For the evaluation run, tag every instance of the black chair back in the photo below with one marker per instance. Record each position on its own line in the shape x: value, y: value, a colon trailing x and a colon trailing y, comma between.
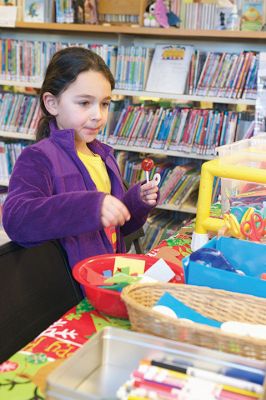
x: 36, y: 289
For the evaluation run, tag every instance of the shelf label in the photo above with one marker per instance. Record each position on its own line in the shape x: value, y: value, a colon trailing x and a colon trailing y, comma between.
x: 8, y: 16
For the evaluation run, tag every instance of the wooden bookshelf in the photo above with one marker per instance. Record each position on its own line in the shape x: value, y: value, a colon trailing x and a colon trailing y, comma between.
x: 183, y: 97
x: 32, y: 84
x: 136, y: 93
x: 170, y: 153
x: 149, y: 150
x: 143, y: 31
x: 186, y: 208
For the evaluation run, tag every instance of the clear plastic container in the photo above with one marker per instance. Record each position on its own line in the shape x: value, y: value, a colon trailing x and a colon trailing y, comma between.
x: 249, y: 153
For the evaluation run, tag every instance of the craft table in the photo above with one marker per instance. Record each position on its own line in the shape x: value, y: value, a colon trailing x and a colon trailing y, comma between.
x: 23, y: 376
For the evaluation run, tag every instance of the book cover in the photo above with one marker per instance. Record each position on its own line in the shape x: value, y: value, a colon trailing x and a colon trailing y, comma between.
x: 34, y: 11
x: 148, y: 120
x: 190, y: 185
x: 169, y: 69
x: 252, y: 15
x: 226, y: 17
x: 177, y: 136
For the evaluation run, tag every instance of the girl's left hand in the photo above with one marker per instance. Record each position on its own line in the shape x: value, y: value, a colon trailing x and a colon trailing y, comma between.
x: 149, y: 193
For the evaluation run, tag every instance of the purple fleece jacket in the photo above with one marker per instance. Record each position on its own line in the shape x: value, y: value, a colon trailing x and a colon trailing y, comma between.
x: 52, y: 196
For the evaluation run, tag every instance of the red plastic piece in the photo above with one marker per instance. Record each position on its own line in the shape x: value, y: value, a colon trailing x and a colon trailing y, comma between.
x: 263, y: 276
x: 109, y: 301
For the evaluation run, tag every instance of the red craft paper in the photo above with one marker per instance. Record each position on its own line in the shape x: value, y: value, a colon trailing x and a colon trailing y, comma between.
x: 96, y: 279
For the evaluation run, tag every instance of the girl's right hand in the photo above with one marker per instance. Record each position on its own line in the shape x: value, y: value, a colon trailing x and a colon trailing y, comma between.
x: 113, y: 212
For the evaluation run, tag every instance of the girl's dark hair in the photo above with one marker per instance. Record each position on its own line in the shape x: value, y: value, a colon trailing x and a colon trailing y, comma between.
x: 63, y: 69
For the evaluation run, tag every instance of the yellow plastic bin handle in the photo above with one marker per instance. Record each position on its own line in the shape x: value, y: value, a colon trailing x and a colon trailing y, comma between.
x: 210, y: 169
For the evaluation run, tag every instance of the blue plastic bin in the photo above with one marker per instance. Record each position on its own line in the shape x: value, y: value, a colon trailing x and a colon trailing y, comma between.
x: 247, y: 256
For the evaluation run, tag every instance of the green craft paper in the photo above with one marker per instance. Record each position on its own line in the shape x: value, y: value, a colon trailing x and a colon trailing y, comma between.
x: 125, y: 270
x: 116, y: 287
x: 120, y: 278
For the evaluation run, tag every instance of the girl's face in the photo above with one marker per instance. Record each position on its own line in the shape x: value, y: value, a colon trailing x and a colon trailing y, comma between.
x: 83, y: 106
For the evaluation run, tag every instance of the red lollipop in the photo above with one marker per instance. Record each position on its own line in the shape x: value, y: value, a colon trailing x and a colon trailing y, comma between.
x: 147, y: 165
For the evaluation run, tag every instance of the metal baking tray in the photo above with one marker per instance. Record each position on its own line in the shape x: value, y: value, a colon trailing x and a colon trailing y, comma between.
x: 104, y: 363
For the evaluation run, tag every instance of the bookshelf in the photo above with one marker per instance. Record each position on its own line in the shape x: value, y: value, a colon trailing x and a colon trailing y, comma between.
x: 170, y: 153
x: 5, y: 82
x: 134, y: 36
x: 138, y: 93
x: 145, y: 32
x: 15, y: 135
x: 183, y: 97
x: 186, y: 208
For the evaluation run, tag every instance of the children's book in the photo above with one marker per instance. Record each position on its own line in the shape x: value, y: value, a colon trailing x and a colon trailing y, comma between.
x: 8, y: 13
x: 226, y: 18
x: 34, y: 11
x: 252, y: 15
x: 169, y: 69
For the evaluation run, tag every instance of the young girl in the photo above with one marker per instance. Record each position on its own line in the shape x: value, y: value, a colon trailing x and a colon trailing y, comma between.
x: 67, y: 186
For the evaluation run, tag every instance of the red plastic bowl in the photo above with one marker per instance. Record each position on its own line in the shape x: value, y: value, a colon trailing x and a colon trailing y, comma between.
x: 109, y: 301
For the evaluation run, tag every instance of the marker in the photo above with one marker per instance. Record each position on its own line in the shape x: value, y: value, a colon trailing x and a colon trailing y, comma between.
x: 158, y: 378
x: 225, y: 380
x: 204, y: 387
x: 136, y: 397
x: 249, y: 374
x: 255, y: 376
x: 158, y: 387
x: 224, y: 395
x: 212, y: 376
x: 243, y: 392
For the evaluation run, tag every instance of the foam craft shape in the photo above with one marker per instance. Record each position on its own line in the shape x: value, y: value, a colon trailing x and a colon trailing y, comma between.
x: 95, y: 279
x: 107, y: 273
x: 184, y: 311
x: 160, y: 271
x: 120, y: 278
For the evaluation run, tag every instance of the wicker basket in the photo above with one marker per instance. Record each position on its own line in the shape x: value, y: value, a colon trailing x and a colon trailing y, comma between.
x: 213, y: 303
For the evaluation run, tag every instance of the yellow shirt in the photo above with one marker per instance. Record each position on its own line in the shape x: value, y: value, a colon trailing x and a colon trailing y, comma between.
x: 98, y: 173
x: 97, y: 170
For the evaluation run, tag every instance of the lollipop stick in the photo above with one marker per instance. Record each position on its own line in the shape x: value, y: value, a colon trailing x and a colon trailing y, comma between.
x: 147, y: 176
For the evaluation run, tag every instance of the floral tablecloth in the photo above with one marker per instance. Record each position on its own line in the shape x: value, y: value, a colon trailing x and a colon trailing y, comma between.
x: 23, y: 376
